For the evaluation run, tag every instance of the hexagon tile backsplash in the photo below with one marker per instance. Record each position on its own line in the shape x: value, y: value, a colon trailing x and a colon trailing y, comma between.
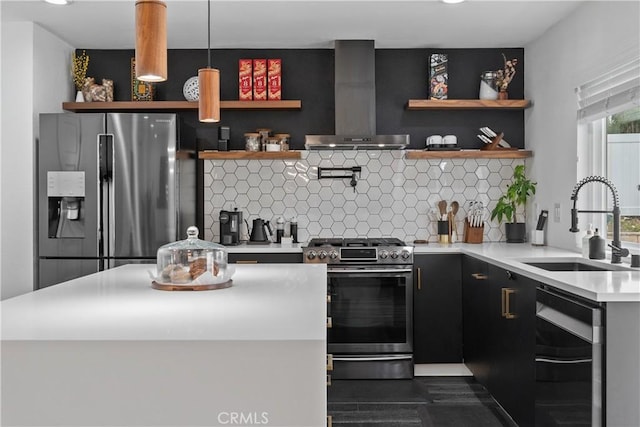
x: 394, y: 197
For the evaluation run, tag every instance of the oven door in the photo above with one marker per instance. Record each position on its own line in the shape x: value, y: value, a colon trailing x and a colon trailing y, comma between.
x: 370, y: 310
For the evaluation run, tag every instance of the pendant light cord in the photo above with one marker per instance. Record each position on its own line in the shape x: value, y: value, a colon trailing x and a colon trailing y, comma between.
x: 208, y: 33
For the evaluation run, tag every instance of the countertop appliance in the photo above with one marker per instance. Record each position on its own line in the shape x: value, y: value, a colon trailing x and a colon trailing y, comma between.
x: 569, y: 359
x: 260, y: 230
x: 230, y: 222
x: 112, y: 189
x: 370, y: 305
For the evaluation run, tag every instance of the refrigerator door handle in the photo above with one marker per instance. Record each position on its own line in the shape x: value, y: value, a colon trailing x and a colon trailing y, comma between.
x: 105, y: 197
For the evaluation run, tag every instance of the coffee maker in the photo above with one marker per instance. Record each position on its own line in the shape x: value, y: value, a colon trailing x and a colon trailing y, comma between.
x: 230, y: 227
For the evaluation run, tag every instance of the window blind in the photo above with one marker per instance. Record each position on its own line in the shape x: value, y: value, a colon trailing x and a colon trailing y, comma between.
x: 617, y: 90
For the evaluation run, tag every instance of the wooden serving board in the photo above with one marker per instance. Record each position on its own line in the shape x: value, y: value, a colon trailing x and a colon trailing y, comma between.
x: 170, y: 287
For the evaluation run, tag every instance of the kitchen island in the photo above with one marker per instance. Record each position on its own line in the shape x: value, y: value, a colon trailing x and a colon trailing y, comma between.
x: 107, y: 349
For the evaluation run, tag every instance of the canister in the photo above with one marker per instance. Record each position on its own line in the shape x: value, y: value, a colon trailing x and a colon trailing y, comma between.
x: 283, y: 140
x: 488, y: 85
x: 265, y: 133
x: 252, y: 141
x: 294, y: 230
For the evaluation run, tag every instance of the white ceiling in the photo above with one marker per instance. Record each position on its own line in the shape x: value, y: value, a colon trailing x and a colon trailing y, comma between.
x: 99, y: 24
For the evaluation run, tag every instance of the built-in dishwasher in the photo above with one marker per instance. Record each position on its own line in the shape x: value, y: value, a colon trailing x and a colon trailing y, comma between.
x: 569, y: 360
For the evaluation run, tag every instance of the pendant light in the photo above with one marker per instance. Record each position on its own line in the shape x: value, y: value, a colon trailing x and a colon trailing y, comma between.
x: 209, y: 83
x: 151, y: 40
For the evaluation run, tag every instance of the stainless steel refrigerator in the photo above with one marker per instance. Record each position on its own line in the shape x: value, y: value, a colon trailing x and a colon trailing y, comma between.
x: 112, y: 189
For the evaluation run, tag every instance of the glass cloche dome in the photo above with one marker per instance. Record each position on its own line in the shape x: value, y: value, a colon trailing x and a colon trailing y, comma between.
x: 192, y: 264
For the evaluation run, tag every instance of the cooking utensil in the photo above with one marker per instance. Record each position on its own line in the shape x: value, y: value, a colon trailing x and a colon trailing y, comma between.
x: 455, y: 206
x: 442, y: 206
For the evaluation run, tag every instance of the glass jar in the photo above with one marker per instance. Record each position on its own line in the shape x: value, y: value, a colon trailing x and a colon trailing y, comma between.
x: 273, y: 144
x: 283, y: 140
x: 488, y: 85
x: 192, y: 262
x: 264, y: 135
x: 252, y: 141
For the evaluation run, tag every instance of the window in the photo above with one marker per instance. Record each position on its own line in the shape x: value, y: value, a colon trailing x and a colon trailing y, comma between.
x: 609, y: 146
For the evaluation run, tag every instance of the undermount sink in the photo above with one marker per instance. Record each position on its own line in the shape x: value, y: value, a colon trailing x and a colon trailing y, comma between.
x: 573, y: 264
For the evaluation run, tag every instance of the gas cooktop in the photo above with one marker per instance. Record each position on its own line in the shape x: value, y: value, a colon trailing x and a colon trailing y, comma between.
x: 378, y: 251
x: 349, y: 243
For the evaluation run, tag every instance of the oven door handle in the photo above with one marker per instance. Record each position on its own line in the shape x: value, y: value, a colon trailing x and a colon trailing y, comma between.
x: 589, y: 333
x: 563, y: 361
x: 371, y: 359
x: 370, y: 271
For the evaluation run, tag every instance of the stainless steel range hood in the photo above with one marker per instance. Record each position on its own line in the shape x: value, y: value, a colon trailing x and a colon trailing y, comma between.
x: 355, y: 102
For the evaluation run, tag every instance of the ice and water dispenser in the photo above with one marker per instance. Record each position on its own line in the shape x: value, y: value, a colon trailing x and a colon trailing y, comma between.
x: 66, y: 204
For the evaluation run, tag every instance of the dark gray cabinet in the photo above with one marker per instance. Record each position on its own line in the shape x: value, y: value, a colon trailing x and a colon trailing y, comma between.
x: 437, y: 309
x: 265, y: 257
x: 499, y: 335
x: 477, y: 307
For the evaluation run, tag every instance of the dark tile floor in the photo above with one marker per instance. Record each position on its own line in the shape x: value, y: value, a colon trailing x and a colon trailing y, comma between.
x: 420, y: 402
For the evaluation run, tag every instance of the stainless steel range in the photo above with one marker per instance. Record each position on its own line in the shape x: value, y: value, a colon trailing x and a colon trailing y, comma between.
x: 369, y: 294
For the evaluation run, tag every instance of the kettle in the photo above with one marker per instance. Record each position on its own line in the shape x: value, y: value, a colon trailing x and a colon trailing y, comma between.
x: 259, y: 230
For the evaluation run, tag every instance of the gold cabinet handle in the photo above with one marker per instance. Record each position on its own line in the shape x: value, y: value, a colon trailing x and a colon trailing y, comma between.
x: 479, y: 276
x: 329, y: 323
x: 328, y: 380
x: 249, y: 261
x: 328, y: 298
x: 329, y: 421
x: 506, y: 303
x: 419, y: 279
x: 329, y: 362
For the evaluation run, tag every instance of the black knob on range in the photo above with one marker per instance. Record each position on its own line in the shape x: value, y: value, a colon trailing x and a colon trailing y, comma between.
x: 322, y: 254
x: 333, y: 254
x: 405, y: 254
x: 394, y: 254
x: 384, y: 254
x: 311, y: 254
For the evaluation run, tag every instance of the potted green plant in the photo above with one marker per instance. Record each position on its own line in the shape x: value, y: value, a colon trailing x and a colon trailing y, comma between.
x: 520, y: 189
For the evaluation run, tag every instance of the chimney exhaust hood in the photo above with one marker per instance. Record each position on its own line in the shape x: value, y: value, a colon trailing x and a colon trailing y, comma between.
x: 355, y: 102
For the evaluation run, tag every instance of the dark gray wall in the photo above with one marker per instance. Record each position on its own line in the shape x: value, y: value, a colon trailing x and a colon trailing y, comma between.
x: 307, y: 74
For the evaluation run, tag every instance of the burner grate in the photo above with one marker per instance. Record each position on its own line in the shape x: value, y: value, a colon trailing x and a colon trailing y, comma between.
x: 356, y: 242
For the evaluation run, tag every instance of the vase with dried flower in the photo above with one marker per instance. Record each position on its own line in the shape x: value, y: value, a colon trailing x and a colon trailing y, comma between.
x: 505, y: 75
x: 79, y: 65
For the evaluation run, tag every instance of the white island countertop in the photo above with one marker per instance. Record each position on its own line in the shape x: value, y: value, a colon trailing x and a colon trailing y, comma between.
x: 266, y: 302
x: 108, y: 349
x: 601, y: 286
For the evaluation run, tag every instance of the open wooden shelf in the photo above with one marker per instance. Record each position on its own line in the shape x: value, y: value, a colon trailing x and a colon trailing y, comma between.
x: 467, y: 104
x: 469, y: 154
x: 409, y: 154
x: 79, y: 107
x: 248, y: 155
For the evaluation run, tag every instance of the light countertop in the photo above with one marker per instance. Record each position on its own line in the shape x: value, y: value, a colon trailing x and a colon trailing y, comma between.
x: 602, y: 286
x: 266, y: 248
x: 266, y: 302
x: 108, y: 349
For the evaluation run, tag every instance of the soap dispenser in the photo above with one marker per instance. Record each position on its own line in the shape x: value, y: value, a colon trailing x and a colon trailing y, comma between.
x: 585, y: 241
x: 596, y: 246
